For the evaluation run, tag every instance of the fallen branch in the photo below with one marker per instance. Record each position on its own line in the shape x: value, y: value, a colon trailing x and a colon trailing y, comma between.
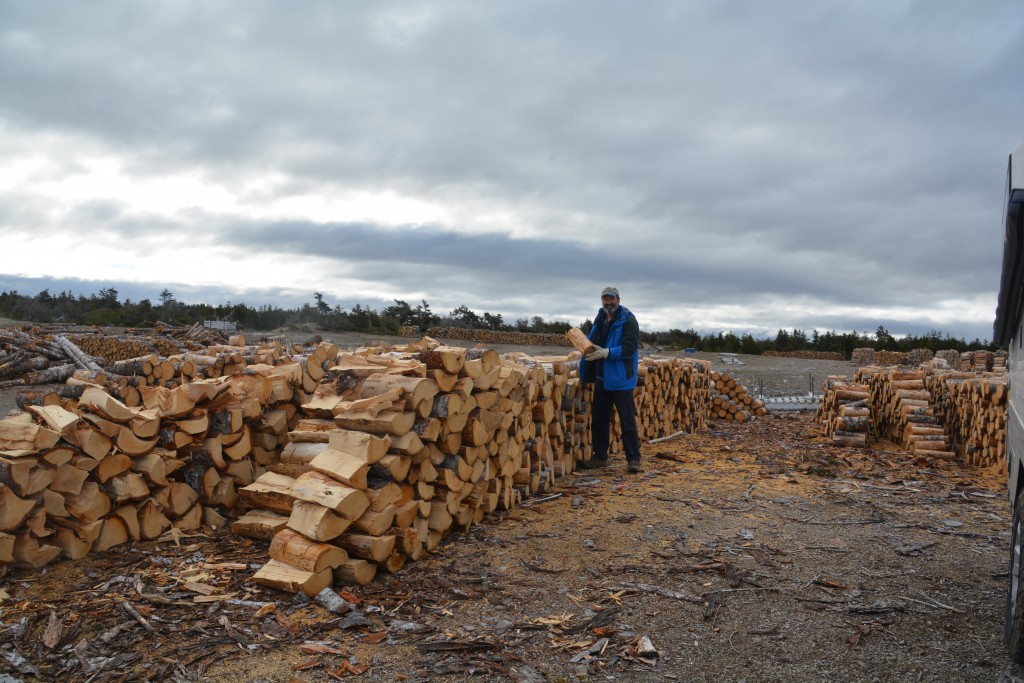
x: 668, y: 438
x: 928, y: 602
x: 851, y: 522
x: 539, y: 500
x: 912, y: 550
x: 134, y: 614
x: 742, y: 590
x: 658, y: 590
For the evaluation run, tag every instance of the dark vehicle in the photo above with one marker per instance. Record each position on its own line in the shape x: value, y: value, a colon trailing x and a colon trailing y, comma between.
x: 1009, y: 332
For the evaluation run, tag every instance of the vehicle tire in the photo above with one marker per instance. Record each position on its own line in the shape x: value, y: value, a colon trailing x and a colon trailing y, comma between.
x: 1014, y: 631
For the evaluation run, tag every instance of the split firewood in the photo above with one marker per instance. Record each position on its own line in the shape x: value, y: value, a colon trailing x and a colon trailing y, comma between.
x: 579, y: 340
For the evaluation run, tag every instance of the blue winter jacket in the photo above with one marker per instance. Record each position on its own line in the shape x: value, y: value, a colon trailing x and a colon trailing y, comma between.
x: 623, y: 344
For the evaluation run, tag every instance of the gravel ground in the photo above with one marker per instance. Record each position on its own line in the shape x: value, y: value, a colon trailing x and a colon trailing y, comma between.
x: 779, y: 376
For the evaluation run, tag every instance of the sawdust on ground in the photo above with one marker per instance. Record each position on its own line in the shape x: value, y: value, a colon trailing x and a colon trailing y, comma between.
x: 754, y: 552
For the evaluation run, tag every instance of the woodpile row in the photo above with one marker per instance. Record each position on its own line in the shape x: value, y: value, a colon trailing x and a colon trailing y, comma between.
x: 87, y: 472
x: 930, y: 411
x: 730, y: 400
x: 904, y: 411
x: 445, y: 474
x: 488, y: 336
x: 808, y: 355
x: 864, y: 356
x: 39, y: 354
x: 918, y: 357
x: 974, y: 412
x: 890, y: 357
x: 983, y: 361
x: 346, y: 461
x: 109, y: 349
x: 844, y: 414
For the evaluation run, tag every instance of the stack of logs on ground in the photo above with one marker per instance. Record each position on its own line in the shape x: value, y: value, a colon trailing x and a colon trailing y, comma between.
x: 932, y: 411
x: 162, y: 355
x: 731, y: 400
x: 511, y: 337
x: 844, y: 414
x: 807, y: 355
x: 347, y: 461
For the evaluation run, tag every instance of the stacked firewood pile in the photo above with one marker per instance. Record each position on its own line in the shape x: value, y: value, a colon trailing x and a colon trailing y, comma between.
x: 476, y: 435
x: 568, y: 432
x: 890, y: 357
x: 867, y: 356
x: 904, y: 410
x: 88, y: 472
x: 489, y: 336
x: 400, y: 462
x: 973, y: 410
x: 978, y: 361
x: 109, y: 348
x: 931, y: 411
x: 347, y: 461
x: 844, y: 413
x: 808, y: 355
x: 864, y: 356
x: 983, y: 361
x: 40, y: 354
x: 731, y: 400
x: 920, y: 356
x: 999, y: 360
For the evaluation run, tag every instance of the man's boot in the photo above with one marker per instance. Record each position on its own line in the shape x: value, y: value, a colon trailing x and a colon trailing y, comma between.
x: 593, y: 463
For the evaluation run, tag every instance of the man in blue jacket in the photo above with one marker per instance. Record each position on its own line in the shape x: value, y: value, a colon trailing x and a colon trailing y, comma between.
x: 612, y: 368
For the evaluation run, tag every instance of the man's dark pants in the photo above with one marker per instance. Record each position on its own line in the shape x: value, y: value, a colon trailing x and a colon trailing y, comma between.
x: 601, y: 422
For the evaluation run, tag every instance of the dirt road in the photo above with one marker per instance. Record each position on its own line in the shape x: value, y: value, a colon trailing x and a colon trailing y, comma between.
x: 754, y: 552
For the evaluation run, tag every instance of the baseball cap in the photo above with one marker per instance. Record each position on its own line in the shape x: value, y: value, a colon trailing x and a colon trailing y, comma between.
x: 610, y: 291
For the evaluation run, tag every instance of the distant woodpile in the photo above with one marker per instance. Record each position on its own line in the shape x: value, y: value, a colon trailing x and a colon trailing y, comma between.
x: 730, y: 400
x: 510, y: 337
x: 931, y: 410
x: 808, y: 355
x: 41, y: 354
x: 890, y: 358
x: 843, y: 413
x: 983, y: 361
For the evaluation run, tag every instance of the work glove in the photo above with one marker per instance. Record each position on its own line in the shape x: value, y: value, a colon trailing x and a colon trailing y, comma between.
x: 597, y: 354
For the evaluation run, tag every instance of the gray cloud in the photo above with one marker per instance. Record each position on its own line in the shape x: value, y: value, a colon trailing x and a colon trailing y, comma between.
x: 702, y: 155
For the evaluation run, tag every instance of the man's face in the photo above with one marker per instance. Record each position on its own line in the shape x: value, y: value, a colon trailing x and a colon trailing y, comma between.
x: 609, y: 303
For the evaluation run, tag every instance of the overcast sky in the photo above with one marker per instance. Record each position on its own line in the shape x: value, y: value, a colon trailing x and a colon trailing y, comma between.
x: 728, y: 165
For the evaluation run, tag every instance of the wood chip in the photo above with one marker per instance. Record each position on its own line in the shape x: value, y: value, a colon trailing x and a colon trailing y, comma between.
x: 203, y: 588
x: 318, y: 649
x: 214, y: 598
x: 54, y: 628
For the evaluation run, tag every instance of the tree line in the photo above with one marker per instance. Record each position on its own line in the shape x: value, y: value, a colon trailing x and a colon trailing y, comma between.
x: 106, y: 309
x: 842, y: 343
